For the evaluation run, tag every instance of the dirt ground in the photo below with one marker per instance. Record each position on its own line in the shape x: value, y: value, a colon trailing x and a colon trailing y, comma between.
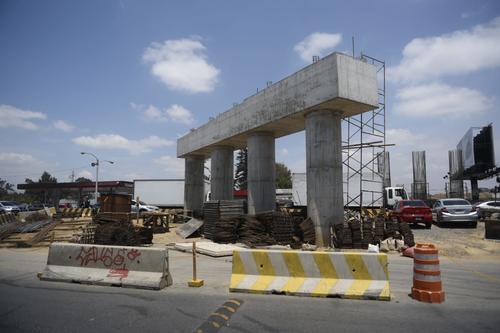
x: 453, y: 241
x: 457, y: 241
x: 160, y: 240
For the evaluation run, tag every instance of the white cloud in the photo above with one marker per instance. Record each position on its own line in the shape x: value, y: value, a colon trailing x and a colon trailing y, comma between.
x: 175, y: 113
x: 283, y: 152
x: 402, y: 136
x: 437, y: 99
x: 85, y: 174
x: 16, y: 158
x: 182, y: 65
x: 13, y: 117
x: 63, y: 126
x: 115, y: 141
x: 460, y: 52
x: 174, y: 167
x: 317, y: 44
x: 180, y: 114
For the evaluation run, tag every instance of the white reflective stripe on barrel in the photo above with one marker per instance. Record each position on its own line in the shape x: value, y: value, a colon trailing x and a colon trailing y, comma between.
x: 424, y: 277
x: 425, y: 256
x: 427, y: 267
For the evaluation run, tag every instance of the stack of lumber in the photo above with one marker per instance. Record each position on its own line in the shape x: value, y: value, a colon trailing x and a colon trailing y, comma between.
x: 216, y: 212
x: 308, y: 233
x: 254, y: 232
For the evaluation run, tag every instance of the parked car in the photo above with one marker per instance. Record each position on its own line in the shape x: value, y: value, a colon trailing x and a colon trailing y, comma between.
x: 38, y: 206
x: 487, y: 208
x: 454, y: 210
x: 23, y: 207
x: 143, y: 207
x: 413, y: 211
x: 10, y: 207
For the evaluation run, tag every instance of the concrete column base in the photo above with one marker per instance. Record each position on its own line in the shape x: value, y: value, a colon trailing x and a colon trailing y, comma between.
x: 261, y: 173
x: 325, y: 202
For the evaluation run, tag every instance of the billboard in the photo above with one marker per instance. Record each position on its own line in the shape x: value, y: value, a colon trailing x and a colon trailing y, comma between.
x: 477, y: 152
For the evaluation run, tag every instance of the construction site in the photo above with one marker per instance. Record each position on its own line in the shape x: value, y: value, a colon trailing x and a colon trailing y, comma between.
x: 224, y: 248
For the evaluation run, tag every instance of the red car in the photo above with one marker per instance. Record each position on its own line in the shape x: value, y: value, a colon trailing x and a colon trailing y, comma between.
x: 413, y: 211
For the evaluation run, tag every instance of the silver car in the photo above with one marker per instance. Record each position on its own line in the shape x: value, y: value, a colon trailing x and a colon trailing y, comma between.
x: 9, y: 207
x: 454, y: 210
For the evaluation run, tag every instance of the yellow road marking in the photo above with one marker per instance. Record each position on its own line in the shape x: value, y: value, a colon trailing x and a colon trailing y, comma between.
x: 220, y: 315
x: 234, y: 301
x: 228, y: 308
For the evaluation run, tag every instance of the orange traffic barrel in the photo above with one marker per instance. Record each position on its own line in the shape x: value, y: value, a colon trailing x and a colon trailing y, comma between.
x: 427, y: 286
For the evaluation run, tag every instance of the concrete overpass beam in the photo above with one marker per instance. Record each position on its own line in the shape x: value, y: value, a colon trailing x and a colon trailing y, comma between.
x: 261, y: 173
x: 325, y: 202
x: 194, y: 186
x: 222, y: 166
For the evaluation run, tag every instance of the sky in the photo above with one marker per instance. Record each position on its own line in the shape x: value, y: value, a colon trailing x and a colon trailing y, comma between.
x: 125, y: 79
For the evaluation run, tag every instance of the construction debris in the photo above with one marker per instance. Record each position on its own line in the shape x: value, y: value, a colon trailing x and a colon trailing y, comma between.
x: 189, y: 228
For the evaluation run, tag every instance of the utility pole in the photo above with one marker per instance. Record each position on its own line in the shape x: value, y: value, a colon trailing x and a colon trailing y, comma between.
x: 96, y: 164
x: 72, y: 176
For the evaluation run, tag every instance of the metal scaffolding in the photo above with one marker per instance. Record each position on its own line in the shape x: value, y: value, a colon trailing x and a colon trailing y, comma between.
x: 363, y: 143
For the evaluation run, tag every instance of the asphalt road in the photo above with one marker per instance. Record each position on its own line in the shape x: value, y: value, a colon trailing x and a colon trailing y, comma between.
x: 29, y: 305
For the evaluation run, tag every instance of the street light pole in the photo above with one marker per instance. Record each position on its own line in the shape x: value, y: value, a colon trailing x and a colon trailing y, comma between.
x: 96, y: 164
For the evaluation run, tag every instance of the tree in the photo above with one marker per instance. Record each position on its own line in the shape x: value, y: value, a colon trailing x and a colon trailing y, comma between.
x: 83, y: 180
x: 240, y: 177
x: 47, y: 178
x: 283, y: 176
x: 5, y: 187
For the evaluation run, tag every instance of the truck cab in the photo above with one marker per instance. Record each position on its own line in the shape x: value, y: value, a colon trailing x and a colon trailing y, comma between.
x: 393, y: 194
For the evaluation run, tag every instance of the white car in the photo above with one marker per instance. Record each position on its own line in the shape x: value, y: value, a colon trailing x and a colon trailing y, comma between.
x: 487, y: 208
x: 143, y: 207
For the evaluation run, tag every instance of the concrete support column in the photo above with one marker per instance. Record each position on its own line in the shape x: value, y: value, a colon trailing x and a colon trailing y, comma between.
x: 261, y: 177
x: 474, y: 189
x: 194, y: 186
x: 325, y: 202
x: 222, y: 170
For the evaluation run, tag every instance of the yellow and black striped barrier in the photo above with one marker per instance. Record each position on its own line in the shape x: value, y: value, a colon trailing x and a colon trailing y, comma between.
x: 7, y: 218
x: 75, y: 212
x: 321, y: 274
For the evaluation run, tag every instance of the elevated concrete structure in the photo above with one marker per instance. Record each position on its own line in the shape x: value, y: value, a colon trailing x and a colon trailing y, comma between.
x: 261, y: 179
x: 222, y: 169
x: 316, y: 97
x: 336, y: 82
x: 325, y: 200
x: 194, y: 185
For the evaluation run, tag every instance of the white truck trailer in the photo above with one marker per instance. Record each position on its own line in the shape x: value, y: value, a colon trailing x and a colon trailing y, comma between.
x: 373, y: 194
x: 164, y: 193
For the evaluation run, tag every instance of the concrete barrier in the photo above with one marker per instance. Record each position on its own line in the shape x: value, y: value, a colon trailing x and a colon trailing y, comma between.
x: 75, y: 212
x: 123, y: 266
x: 321, y: 274
x: 7, y: 218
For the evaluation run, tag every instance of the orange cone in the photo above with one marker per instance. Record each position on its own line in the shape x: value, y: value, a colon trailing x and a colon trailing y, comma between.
x: 427, y: 286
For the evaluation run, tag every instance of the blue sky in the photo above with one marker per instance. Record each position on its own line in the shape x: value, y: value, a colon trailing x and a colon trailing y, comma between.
x: 124, y: 79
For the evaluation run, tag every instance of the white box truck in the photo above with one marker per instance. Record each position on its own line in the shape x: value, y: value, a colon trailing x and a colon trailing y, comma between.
x: 164, y: 193
x: 372, y: 190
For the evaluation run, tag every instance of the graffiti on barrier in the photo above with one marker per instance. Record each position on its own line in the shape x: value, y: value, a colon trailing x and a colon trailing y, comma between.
x: 120, y: 272
x: 109, y: 257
